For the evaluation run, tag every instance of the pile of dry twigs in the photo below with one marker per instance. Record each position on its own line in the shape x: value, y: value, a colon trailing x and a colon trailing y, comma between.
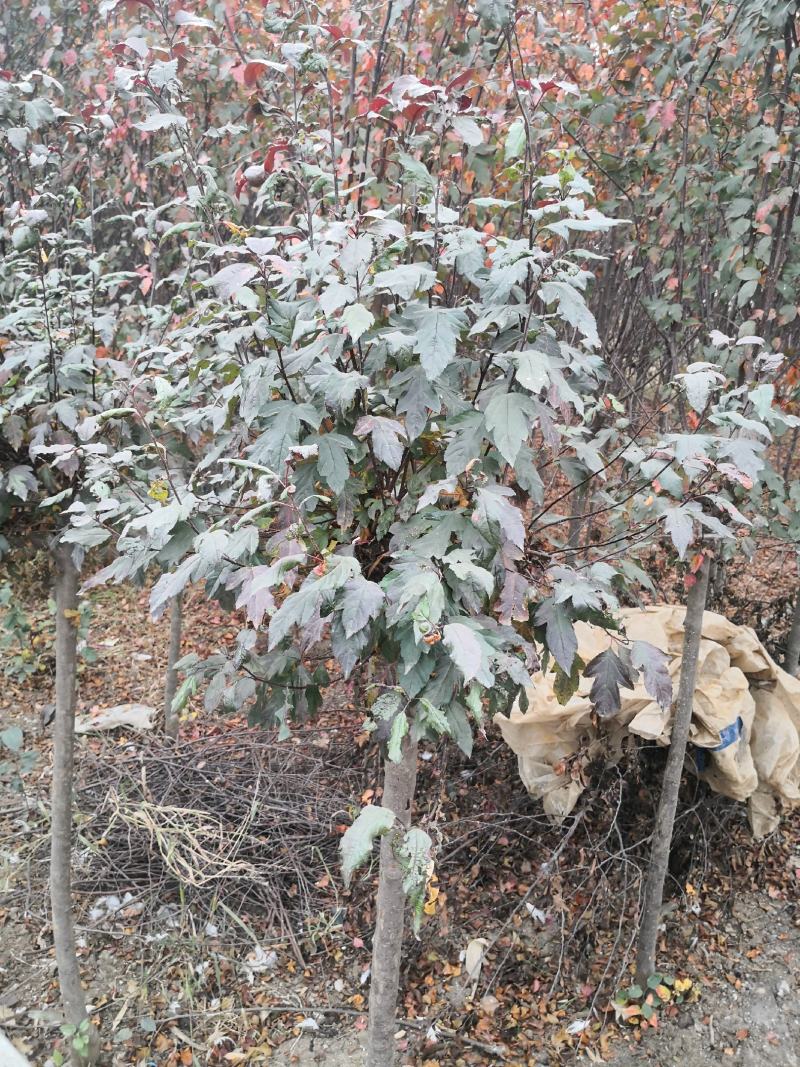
x: 231, y: 817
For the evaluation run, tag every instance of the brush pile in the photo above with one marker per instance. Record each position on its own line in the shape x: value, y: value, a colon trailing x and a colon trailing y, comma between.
x: 231, y: 817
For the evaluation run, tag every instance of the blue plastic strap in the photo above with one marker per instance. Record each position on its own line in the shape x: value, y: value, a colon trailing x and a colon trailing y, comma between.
x: 726, y: 737
x: 729, y: 735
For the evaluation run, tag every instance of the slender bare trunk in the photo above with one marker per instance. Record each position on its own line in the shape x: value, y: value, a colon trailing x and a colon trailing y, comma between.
x: 789, y: 459
x: 174, y: 654
x: 791, y: 662
x: 69, y: 977
x: 716, y: 585
x: 668, y: 802
x: 399, y: 781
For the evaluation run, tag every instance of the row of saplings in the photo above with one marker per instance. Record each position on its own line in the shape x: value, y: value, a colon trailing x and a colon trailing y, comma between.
x: 398, y: 795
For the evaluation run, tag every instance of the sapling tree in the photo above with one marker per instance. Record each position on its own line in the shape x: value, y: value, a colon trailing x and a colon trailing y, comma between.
x: 59, y: 304
x: 83, y: 1037
x: 715, y: 487
x: 173, y: 655
x: 670, y: 787
x: 367, y: 382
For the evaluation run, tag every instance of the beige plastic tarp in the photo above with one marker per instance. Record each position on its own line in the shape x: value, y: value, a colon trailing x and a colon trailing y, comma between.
x: 746, y: 716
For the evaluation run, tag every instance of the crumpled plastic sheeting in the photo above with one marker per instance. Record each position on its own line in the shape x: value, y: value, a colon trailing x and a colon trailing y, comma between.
x: 745, y: 720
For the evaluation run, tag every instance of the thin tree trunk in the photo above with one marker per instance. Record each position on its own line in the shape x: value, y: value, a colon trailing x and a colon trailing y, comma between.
x: 668, y: 802
x: 716, y: 584
x: 69, y: 977
x: 174, y: 654
x: 399, y: 781
x: 791, y: 662
x: 787, y: 463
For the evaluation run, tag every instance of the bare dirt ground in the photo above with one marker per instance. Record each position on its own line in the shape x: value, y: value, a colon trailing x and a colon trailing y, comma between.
x: 752, y: 1015
x: 750, y: 1018
x: 191, y: 976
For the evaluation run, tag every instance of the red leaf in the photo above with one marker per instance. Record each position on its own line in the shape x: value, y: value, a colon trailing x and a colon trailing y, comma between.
x: 253, y: 71
x: 459, y: 80
x: 379, y: 103
x: 413, y: 111
x: 334, y: 31
x: 247, y: 74
x: 272, y: 151
x: 545, y: 87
